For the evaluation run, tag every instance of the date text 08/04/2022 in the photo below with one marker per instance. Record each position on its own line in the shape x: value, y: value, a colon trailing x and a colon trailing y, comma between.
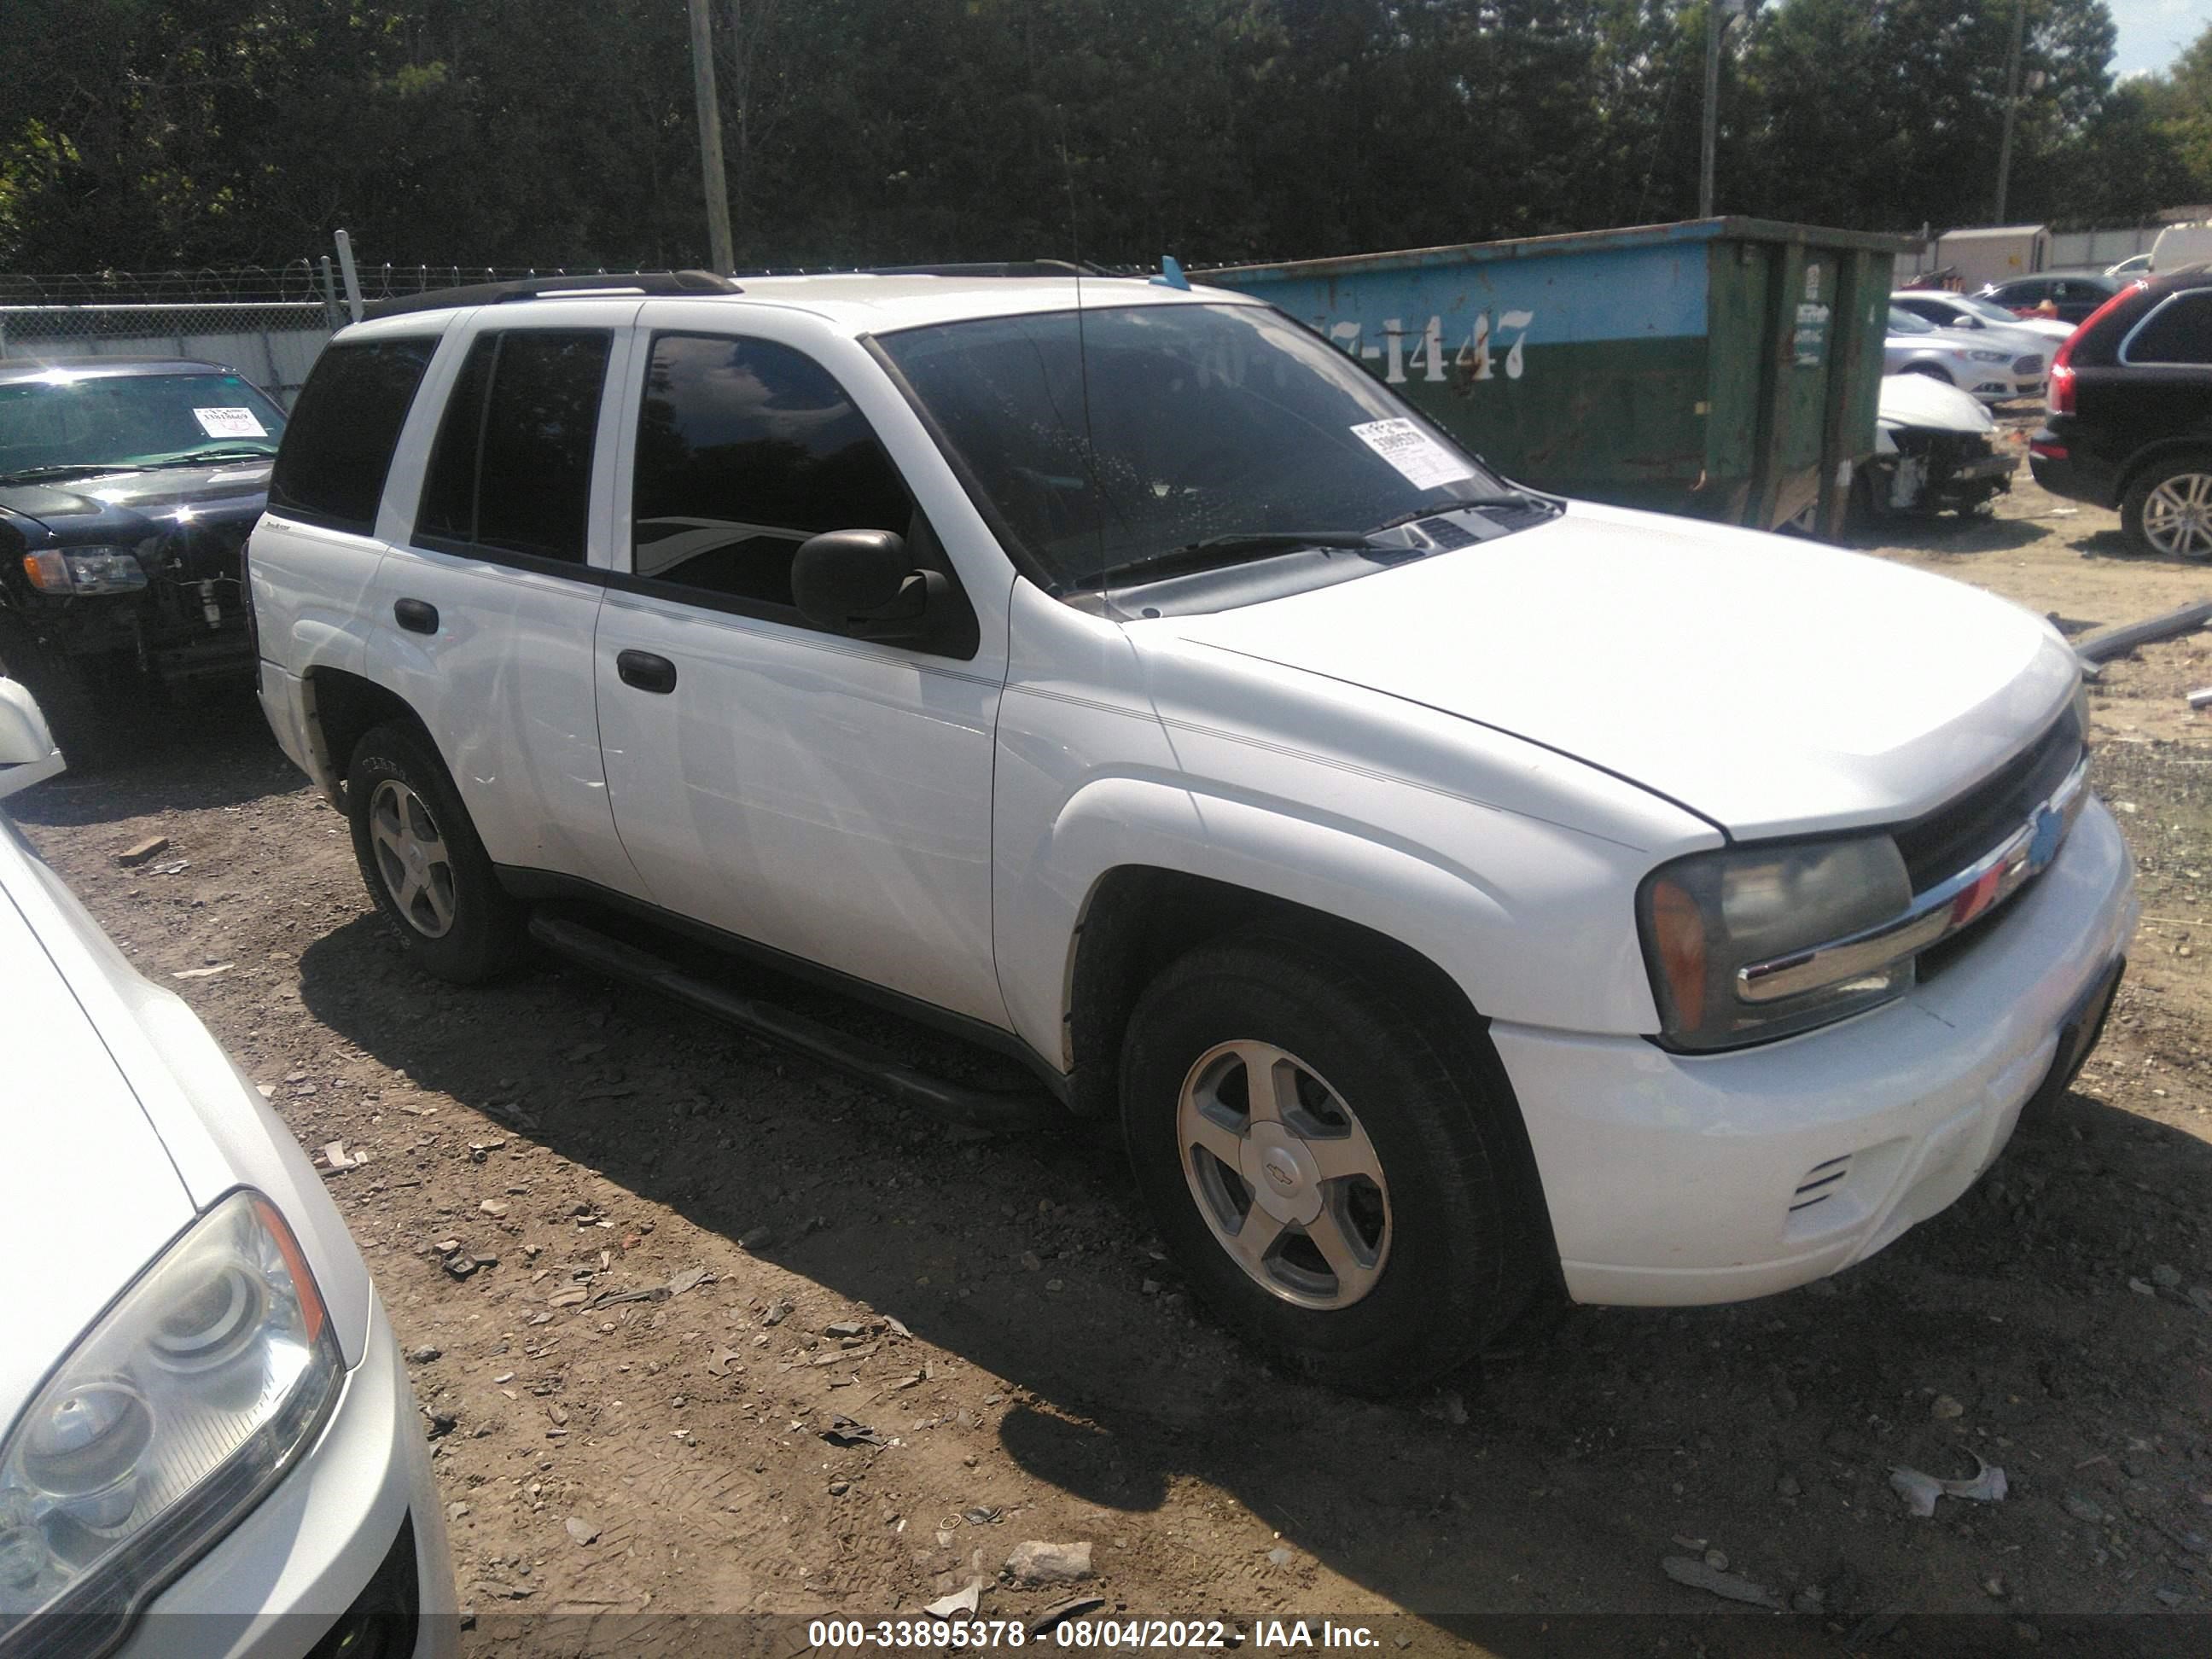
x: 1281, y: 1635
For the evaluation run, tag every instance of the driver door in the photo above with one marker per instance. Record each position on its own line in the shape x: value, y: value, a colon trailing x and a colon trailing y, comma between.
x: 827, y: 798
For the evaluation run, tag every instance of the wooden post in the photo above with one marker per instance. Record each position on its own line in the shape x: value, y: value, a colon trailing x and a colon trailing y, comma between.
x: 710, y: 140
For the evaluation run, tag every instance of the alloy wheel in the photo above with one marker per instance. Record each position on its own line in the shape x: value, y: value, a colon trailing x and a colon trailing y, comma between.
x: 2177, y: 515
x: 411, y: 856
x: 1286, y: 1179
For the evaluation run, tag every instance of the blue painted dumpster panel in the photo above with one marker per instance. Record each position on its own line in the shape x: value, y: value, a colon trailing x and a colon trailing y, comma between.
x: 1582, y: 370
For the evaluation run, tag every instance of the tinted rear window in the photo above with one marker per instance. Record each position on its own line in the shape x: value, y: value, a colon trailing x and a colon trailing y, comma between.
x: 512, y: 471
x: 2178, y: 331
x: 338, y: 447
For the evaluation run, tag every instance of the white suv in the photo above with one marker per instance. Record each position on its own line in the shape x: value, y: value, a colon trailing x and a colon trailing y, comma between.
x: 1451, y: 889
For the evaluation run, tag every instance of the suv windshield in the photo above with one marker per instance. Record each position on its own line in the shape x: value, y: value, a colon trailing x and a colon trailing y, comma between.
x: 1154, y: 427
x: 63, y: 422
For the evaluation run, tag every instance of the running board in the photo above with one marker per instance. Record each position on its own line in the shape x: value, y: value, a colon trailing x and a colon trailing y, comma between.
x: 979, y: 1108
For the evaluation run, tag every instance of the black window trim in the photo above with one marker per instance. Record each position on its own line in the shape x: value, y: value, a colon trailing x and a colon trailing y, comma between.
x: 2124, y: 361
x: 343, y: 525
x: 461, y: 547
x: 963, y: 648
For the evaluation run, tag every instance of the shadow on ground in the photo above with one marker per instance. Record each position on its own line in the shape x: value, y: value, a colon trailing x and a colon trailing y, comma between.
x: 1549, y: 1480
x: 202, y: 749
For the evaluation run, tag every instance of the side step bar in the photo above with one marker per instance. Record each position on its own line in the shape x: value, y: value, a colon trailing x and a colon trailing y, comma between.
x: 979, y: 1108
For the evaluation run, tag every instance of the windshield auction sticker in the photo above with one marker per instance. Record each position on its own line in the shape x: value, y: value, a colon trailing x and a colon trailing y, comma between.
x: 1420, y: 460
x: 244, y: 424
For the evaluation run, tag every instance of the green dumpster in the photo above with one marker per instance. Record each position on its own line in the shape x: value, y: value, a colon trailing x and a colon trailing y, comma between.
x: 1727, y: 368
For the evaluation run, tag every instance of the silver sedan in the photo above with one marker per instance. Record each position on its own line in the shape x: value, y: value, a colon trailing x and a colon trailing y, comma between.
x: 1990, y: 372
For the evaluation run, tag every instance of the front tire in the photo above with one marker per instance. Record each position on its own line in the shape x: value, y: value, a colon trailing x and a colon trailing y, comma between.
x: 422, y: 862
x: 2168, y: 509
x: 1324, y: 1161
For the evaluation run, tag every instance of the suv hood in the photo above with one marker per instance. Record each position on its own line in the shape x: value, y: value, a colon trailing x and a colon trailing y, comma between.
x: 77, y: 509
x: 1772, y: 685
x: 92, y: 1196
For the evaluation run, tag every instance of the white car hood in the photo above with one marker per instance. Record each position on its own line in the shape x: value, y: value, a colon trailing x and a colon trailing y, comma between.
x: 1922, y: 400
x: 1772, y: 685
x: 92, y: 1196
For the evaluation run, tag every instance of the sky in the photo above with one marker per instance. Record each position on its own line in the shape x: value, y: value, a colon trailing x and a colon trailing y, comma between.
x: 2154, y: 32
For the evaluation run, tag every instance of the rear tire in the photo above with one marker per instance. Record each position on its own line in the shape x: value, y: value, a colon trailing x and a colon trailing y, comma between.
x: 2167, y: 508
x: 422, y: 862
x: 1393, y: 1239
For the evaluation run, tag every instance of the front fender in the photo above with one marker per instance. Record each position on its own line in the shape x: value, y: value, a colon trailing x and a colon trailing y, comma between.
x: 1538, y: 930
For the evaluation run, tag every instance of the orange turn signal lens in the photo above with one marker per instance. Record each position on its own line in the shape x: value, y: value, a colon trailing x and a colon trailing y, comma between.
x: 1678, y: 928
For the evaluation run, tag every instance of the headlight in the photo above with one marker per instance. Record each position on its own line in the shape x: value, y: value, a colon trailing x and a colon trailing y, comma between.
x: 1990, y: 357
x: 1706, y: 917
x: 84, y: 570
x: 162, y: 1428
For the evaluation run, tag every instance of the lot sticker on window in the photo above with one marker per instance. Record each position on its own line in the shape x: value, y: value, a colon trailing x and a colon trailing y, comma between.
x: 1420, y: 460
x: 230, y: 423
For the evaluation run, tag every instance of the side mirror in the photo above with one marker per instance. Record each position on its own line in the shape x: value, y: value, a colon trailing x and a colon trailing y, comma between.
x: 862, y: 584
x: 26, y: 747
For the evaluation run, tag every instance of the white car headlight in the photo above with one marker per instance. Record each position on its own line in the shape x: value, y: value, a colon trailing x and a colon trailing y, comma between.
x: 1706, y: 917
x: 162, y: 1427
x: 84, y: 570
x: 1990, y: 357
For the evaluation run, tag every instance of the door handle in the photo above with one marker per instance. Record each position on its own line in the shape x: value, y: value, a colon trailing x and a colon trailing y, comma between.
x: 415, y: 615
x: 646, y: 672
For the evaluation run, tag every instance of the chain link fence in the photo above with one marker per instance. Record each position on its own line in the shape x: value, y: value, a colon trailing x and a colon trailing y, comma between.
x: 267, y: 323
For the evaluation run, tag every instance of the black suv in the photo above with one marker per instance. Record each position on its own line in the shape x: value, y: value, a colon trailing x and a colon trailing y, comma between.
x: 2130, y: 421
x: 127, y: 487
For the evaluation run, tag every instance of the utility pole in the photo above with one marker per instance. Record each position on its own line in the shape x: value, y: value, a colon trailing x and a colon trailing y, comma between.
x: 2012, y: 107
x: 1712, y: 139
x: 710, y: 140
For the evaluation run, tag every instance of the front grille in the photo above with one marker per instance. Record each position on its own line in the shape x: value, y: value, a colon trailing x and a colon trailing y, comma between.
x: 2028, y: 366
x: 1938, y: 846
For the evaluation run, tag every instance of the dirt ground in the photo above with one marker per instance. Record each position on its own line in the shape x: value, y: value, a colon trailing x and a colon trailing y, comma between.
x: 687, y: 1256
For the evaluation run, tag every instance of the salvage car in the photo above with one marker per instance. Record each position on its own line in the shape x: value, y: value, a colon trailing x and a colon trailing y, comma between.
x: 2129, y: 421
x: 1994, y: 372
x: 1968, y: 314
x: 1935, y: 451
x: 208, y: 1441
x: 127, y: 486
x: 1454, y: 892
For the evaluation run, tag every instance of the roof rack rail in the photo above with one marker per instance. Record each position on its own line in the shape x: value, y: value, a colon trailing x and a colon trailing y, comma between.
x: 661, y: 284
x: 990, y: 268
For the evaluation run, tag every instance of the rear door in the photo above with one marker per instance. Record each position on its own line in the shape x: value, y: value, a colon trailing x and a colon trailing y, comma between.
x: 487, y: 599
x: 823, y: 796
x: 2164, y: 382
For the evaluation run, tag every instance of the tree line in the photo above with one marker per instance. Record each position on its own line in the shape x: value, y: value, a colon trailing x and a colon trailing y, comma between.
x: 143, y: 134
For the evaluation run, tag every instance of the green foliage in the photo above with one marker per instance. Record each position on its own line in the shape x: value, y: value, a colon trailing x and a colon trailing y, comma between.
x: 509, y: 132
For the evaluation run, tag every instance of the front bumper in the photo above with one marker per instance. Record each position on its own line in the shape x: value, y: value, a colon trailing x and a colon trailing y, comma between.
x: 1671, y: 1179
x: 276, y: 1583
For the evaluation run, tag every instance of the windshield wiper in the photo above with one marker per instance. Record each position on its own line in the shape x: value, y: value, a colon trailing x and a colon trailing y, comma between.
x: 74, y: 470
x: 1225, y: 549
x: 204, y: 457
x: 1466, y: 504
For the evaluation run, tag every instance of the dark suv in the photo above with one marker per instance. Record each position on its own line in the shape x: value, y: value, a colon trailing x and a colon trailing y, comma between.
x: 2130, y: 421
x: 127, y: 487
